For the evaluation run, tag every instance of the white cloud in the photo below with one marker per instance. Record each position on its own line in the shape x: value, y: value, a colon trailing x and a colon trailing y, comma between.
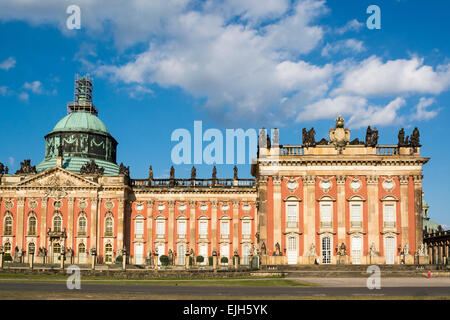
x: 35, y: 87
x: 24, y: 96
x: 345, y: 46
x: 246, y: 59
x: 357, y: 110
x: 8, y: 64
x: 11, y: 161
x: 372, y: 77
x: 421, y: 112
x: 3, y: 90
x: 352, y: 25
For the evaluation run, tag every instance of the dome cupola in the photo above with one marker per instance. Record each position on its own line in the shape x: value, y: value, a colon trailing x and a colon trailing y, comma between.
x: 81, y: 136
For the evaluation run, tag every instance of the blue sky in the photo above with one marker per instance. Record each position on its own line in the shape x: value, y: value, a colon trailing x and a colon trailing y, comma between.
x: 160, y: 65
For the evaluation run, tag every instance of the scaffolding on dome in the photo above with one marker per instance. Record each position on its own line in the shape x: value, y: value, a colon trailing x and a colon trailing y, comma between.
x: 82, y: 96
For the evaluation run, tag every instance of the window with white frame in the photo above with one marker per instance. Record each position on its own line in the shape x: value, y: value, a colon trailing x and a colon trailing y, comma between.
x: 203, y: 229
x: 57, y: 223
x: 109, y: 226
x: 356, y: 215
x: 139, y: 228
x: 32, y: 222
x: 224, y: 229
x: 246, y: 229
x: 326, y: 209
x: 292, y: 215
x: 8, y: 225
x: 82, y: 223
x: 181, y: 229
x: 389, y: 215
x: 160, y: 228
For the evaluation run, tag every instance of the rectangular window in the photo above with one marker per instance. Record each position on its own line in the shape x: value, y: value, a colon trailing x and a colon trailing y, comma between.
x: 224, y: 229
x: 181, y: 229
x: 203, y: 229
x: 356, y: 215
x: 139, y: 229
x: 389, y: 216
x: 292, y: 215
x: 246, y: 229
x: 325, y: 214
x: 160, y: 229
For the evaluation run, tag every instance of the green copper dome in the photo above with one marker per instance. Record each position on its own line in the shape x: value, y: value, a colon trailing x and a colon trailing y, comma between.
x: 81, y: 137
x: 77, y: 121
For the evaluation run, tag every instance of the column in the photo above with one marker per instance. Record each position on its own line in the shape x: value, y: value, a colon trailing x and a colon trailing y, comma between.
x: 120, y: 224
x: 192, y: 207
x: 309, y: 213
x: 262, y: 210
x: 43, y: 220
x: 277, y: 210
x: 373, y: 232
x: 70, y: 235
x: 150, y: 225
x: 341, y: 201
x: 404, y: 210
x: 235, y: 225
x: 171, y: 224
x: 94, y: 222
x: 214, y: 225
x: 418, y: 208
x: 19, y: 223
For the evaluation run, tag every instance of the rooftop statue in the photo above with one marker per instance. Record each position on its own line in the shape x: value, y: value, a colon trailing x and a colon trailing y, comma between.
x: 25, y: 167
x: 415, y: 139
x: 124, y: 170
x: 371, y: 137
x: 193, y: 173
x: 309, y: 139
x: 91, y: 168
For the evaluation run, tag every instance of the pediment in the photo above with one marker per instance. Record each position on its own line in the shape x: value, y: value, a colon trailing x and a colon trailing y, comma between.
x: 57, y: 177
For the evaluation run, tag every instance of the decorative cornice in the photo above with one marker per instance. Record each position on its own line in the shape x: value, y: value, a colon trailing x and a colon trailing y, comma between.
x: 372, y: 179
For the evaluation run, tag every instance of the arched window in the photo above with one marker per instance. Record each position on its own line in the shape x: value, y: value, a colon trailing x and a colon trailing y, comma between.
x: 8, y: 225
x: 109, y: 226
x: 57, y: 223
x: 32, y: 223
x: 82, y: 223
x: 31, y: 247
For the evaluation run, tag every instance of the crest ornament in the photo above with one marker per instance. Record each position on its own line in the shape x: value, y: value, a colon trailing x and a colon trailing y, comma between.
x: 325, y: 185
x: 9, y: 204
x: 339, y: 136
x: 388, y: 184
x: 292, y: 185
x: 355, y: 185
x: 161, y: 207
x: 246, y: 207
x: 32, y: 204
x: 139, y: 207
x: 82, y: 204
x: 109, y: 205
x: 182, y: 207
x: 225, y: 207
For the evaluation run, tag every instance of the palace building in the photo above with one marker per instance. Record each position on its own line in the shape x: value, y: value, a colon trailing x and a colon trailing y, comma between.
x: 328, y: 202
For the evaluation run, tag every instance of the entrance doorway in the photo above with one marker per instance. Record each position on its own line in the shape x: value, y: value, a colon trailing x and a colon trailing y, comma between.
x: 389, y: 249
x: 138, y: 253
x: 292, y: 250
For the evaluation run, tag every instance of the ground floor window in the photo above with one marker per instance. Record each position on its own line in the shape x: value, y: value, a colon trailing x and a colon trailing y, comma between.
x: 326, y: 250
x: 108, y: 253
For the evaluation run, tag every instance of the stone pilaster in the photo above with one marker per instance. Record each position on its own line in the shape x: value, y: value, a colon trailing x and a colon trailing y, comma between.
x: 192, y: 208
x: 341, y: 201
x: 43, y: 230
x: 309, y: 212
x: 20, y: 223
x: 171, y: 228
x: 94, y: 222
x: 214, y: 224
x: 418, y: 208
x: 235, y: 225
x: 373, y: 232
x: 404, y: 209
x: 70, y: 228
x: 277, y: 209
x: 262, y: 210
x: 120, y: 224
x: 150, y: 225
